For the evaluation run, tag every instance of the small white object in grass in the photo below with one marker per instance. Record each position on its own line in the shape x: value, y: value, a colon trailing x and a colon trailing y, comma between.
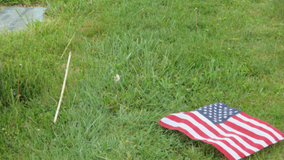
x: 116, y: 78
x: 207, y: 30
x: 195, y: 9
x: 20, y: 65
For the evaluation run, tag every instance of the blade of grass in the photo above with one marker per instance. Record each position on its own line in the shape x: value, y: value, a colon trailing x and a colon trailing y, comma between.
x: 67, y: 45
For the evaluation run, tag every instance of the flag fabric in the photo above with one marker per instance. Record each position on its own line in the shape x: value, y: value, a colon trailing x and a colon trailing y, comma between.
x: 231, y: 131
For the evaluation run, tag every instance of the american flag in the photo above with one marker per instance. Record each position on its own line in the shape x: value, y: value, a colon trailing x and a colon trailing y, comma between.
x: 231, y: 131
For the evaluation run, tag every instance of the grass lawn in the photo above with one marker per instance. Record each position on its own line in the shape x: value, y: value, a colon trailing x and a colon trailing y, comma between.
x: 166, y: 63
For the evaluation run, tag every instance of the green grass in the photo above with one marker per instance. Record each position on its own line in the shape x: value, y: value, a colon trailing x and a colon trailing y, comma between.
x: 19, y: 2
x: 166, y: 65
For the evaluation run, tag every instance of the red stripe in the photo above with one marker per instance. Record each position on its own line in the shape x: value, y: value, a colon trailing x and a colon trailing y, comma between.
x: 255, y: 126
x: 256, y: 145
x: 203, y: 134
x: 221, y: 149
x: 262, y: 122
x: 220, y: 135
x: 247, y: 132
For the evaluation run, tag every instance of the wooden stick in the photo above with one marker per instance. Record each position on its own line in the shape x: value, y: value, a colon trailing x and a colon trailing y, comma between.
x: 67, y: 46
x: 63, y: 87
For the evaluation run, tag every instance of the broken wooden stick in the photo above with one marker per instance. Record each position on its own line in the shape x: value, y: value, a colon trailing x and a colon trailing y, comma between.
x: 63, y: 87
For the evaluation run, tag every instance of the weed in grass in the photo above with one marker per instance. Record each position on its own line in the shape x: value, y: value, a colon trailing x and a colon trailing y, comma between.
x: 196, y: 17
x: 116, y: 79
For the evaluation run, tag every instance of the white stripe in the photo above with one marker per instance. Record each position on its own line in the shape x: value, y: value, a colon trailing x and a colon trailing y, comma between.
x: 197, y: 136
x: 209, y: 133
x: 261, y: 142
x: 261, y: 125
x: 252, y: 129
x: 221, y: 132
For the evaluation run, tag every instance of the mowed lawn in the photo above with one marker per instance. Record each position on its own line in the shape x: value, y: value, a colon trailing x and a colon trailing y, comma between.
x: 166, y: 63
